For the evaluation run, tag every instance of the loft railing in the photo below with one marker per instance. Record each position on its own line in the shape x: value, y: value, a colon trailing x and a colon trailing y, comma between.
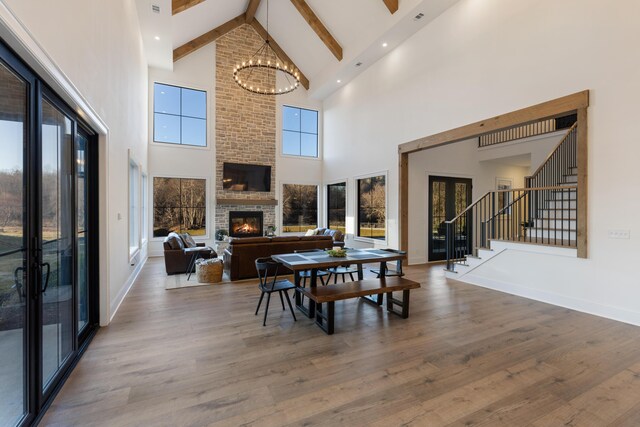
x: 508, y: 215
x: 525, y: 131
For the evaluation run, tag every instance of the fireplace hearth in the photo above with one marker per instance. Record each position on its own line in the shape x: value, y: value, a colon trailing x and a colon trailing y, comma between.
x: 245, y: 224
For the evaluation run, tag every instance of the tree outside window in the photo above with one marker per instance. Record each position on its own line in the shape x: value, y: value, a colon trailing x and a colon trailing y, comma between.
x: 179, y: 204
x: 336, y: 206
x: 372, y: 207
x: 299, y: 207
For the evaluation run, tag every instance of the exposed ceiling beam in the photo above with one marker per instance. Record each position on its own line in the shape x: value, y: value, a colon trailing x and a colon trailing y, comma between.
x: 263, y: 33
x: 178, y: 6
x: 206, y: 38
x: 250, y: 14
x: 392, y: 5
x: 317, y: 26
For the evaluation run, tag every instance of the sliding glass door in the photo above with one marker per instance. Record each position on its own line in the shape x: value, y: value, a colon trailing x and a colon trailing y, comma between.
x: 48, y: 246
x: 13, y: 245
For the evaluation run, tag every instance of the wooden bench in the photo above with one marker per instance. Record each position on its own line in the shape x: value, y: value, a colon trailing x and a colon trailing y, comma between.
x: 361, y: 288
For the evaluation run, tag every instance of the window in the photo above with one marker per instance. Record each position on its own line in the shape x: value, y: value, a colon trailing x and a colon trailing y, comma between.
x: 372, y: 207
x: 144, y: 204
x: 179, y: 115
x: 179, y: 204
x: 134, y: 207
x: 299, y: 207
x: 299, y: 132
x: 336, y: 206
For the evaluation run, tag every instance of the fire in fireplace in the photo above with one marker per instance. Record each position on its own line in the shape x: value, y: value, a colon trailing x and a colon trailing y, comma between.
x: 245, y: 224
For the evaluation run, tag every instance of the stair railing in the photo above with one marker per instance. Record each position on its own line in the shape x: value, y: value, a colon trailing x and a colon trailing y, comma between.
x: 507, y: 215
x: 556, y: 168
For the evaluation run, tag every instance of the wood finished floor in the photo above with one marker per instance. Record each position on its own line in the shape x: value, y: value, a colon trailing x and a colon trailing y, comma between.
x: 466, y: 356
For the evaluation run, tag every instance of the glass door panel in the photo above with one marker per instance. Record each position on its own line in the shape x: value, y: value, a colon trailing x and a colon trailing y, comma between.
x: 13, y: 232
x: 57, y: 237
x: 82, y: 268
x: 448, y: 197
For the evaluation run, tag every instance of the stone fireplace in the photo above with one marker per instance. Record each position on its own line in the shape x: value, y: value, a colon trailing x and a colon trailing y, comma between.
x: 246, y: 224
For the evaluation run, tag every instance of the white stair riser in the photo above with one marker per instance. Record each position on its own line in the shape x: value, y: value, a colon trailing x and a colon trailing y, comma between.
x: 568, y: 224
x: 552, y: 234
x: 564, y: 195
x: 571, y: 178
x: 558, y: 214
x: 555, y: 204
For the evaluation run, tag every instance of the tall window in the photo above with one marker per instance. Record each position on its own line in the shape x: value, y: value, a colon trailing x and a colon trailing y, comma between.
x: 372, y: 207
x: 299, y: 207
x: 179, y: 204
x: 337, y: 205
x: 179, y: 115
x: 134, y: 207
x: 299, y: 132
x: 144, y: 207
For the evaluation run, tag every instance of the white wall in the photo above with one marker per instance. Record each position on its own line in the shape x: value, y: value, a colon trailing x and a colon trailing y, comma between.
x: 99, y: 49
x: 482, y: 58
x: 197, y: 71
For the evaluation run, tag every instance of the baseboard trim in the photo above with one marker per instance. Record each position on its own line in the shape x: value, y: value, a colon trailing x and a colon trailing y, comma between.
x: 589, y: 307
x: 115, y: 304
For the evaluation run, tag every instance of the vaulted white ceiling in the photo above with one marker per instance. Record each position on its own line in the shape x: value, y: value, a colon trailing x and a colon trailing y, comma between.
x: 359, y: 26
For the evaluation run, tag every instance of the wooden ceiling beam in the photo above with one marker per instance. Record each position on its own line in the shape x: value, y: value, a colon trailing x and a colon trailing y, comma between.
x: 206, y: 38
x: 250, y: 14
x: 317, y: 26
x: 281, y: 53
x: 392, y: 5
x: 178, y: 6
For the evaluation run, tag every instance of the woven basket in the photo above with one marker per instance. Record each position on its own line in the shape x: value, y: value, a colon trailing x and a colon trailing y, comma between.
x: 209, y: 273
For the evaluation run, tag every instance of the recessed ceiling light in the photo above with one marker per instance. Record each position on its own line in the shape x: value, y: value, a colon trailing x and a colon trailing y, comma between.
x: 384, y: 45
x: 157, y: 37
x: 338, y: 81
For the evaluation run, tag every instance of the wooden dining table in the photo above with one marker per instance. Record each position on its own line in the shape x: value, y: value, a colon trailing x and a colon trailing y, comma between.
x: 314, y: 261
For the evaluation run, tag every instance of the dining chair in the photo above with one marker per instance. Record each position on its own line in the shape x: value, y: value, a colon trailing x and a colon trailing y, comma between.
x: 343, y: 270
x: 389, y: 272
x: 306, y: 274
x: 269, y: 283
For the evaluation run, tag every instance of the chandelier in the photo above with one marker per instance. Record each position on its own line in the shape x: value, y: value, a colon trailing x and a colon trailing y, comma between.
x: 260, y: 73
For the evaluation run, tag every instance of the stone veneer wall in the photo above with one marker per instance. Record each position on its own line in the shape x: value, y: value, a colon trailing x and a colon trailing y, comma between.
x: 245, y: 125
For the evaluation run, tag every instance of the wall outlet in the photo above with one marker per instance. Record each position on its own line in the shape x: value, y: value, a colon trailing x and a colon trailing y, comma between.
x: 119, y: 216
x: 620, y: 234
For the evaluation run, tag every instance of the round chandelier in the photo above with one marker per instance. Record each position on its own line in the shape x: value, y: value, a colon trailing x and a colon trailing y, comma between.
x: 260, y: 73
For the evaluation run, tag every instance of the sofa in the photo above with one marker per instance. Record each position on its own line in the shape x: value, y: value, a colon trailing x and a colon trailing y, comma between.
x: 240, y: 255
x: 178, y: 251
x: 336, y: 235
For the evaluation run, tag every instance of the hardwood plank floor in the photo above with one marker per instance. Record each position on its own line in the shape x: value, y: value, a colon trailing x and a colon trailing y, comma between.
x: 465, y: 356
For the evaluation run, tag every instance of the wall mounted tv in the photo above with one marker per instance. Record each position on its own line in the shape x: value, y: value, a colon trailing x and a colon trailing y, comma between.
x: 243, y: 177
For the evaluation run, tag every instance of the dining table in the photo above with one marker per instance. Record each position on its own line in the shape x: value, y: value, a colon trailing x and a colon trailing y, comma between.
x: 319, y: 260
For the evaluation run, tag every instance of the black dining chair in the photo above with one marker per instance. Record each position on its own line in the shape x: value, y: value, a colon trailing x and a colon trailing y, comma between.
x: 390, y: 272
x: 269, y: 283
x: 343, y: 270
x: 306, y: 274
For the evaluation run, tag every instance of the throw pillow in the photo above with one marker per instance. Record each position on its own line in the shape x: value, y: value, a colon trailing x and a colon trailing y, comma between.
x: 310, y: 232
x: 188, y: 240
x: 175, y: 242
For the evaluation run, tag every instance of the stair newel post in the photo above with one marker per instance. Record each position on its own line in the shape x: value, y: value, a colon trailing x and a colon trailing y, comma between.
x: 448, y: 245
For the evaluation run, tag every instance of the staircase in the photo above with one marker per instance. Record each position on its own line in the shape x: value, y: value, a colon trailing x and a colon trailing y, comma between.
x: 543, y: 213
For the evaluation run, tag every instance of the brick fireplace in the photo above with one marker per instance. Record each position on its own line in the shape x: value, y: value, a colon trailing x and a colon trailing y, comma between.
x: 245, y: 130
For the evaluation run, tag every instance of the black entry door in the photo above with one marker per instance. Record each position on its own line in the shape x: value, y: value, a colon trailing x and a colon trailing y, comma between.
x: 448, y: 197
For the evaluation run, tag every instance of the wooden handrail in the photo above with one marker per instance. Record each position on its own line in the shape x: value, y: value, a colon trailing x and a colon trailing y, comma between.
x: 571, y: 129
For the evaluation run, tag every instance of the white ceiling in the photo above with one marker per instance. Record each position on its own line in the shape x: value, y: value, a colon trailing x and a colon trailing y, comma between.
x: 359, y: 26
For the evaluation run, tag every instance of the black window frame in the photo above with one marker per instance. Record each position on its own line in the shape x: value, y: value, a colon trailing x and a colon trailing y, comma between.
x: 359, y: 207
x: 300, y: 226
x: 331, y: 208
x: 180, y: 207
x: 317, y: 156
x: 181, y: 116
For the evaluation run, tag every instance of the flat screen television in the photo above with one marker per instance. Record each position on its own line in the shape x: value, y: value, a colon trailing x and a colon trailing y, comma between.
x: 243, y: 177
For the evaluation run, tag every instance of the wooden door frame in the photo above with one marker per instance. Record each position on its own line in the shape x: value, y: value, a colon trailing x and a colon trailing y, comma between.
x: 576, y: 103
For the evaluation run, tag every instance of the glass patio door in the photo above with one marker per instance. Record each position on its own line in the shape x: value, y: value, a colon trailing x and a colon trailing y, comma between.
x: 57, y: 233
x: 13, y: 246
x: 448, y: 197
x: 48, y: 241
